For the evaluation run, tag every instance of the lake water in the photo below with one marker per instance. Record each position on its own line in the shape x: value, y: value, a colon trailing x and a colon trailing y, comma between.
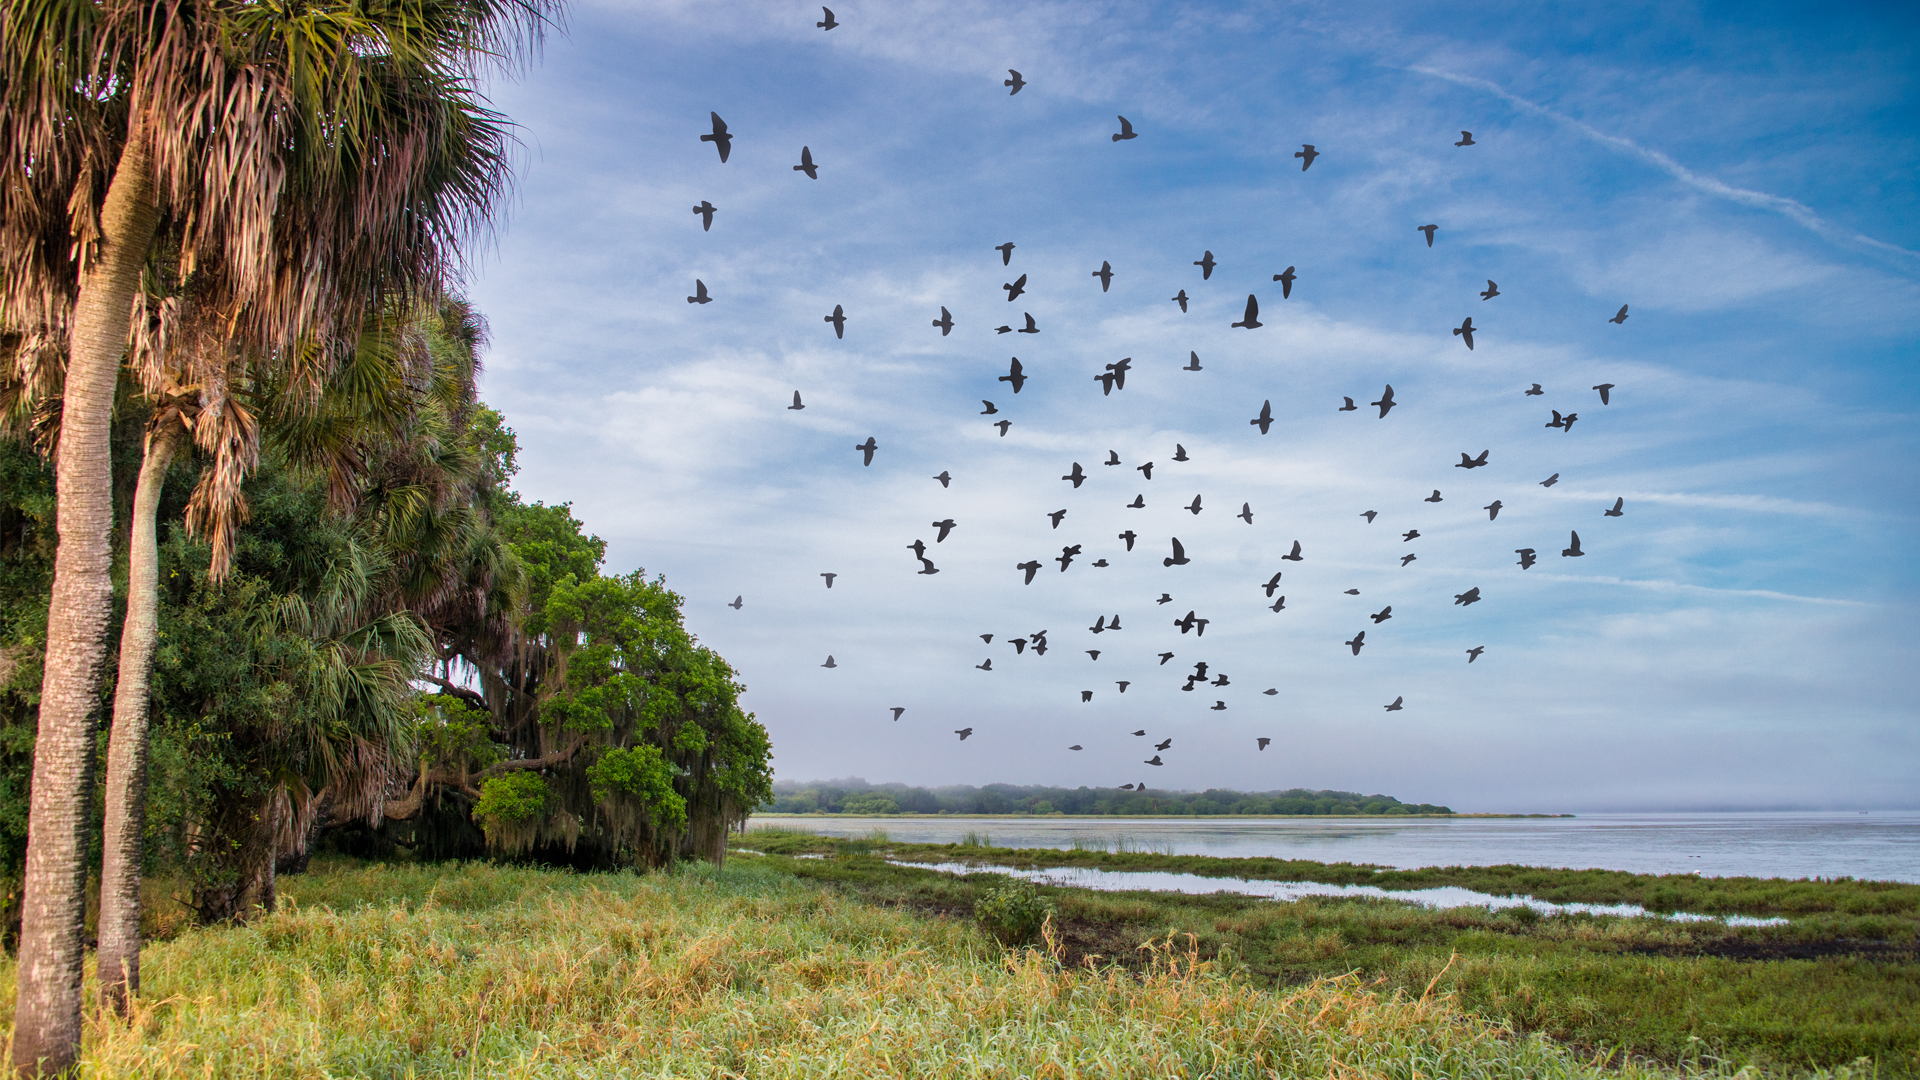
x: 1878, y: 846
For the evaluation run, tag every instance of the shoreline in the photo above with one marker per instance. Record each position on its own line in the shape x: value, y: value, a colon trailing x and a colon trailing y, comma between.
x: 905, y: 816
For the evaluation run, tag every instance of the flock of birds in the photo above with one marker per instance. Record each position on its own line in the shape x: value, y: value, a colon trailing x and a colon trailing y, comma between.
x: 1112, y: 379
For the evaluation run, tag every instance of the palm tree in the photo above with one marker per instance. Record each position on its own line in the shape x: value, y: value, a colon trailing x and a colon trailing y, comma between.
x: 228, y: 117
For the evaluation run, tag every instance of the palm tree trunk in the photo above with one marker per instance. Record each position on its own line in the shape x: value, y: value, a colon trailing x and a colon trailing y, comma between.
x: 119, y: 955
x: 46, y: 1035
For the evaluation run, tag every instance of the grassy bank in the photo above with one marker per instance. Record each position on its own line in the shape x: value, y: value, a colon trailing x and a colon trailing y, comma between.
x: 1839, y: 982
x: 477, y: 970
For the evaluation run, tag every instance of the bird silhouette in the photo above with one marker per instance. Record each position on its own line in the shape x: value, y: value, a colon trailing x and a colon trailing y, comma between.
x: 1526, y: 558
x: 1294, y: 555
x: 1193, y: 507
x: 1186, y: 623
x: 1065, y: 558
x: 1279, y: 605
x: 1014, y: 375
x: 1410, y: 534
x: 946, y: 526
x: 1139, y: 503
x: 829, y: 578
x: 1471, y: 462
x: 1286, y: 278
x: 1246, y: 513
x: 1534, y: 391
x: 1126, y: 787
x: 1030, y: 328
x: 1165, y: 598
x: 1348, y: 407
x: 829, y: 662
x: 944, y: 478
x: 1551, y: 480
x: 838, y: 319
x: 1395, y: 707
x: 1105, y: 274
x: 944, y: 322
x: 829, y: 24
x: 1019, y: 644
x: 1359, y: 641
x: 1163, y: 745
x: 1006, y: 252
x: 806, y: 164
x: 1466, y: 139
x: 1573, y: 551
x: 1017, y: 83
x: 1179, y: 452
x: 1407, y: 558
x: 796, y: 402
x: 1219, y: 706
x: 1604, y: 389
x: 1075, y: 746
x: 1386, y: 402
x: 919, y: 549
x: 1434, y: 498
x: 1465, y: 331
x: 1306, y: 154
x: 1120, y: 369
x: 1382, y: 615
x: 1126, y: 130
x: 1145, y: 470
x: 737, y: 601
x: 1491, y: 290
x: 1113, y: 623
x: 1193, y: 362
x: 1565, y: 423
x: 1620, y: 316
x: 987, y: 638
x: 1015, y: 287
x: 1369, y: 515
x: 963, y: 733
x: 1353, y: 592
x: 1056, y: 516
x: 1129, y: 537
x: 1154, y: 760
x: 1179, y: 555
x: 1003, y: 425
x: 1251, y: 320
x: 1100, y: 562
x: 1492, y: 509
x: 897, y: 710
x: 1616, y: 511
x: 867, y: 448
x: 720, y: 139
x: 1206, y: 265
x: 1262, y: 740
x: 1076, y: 476
x: 1031, y: 567
x: 706, y: 211
x: 990, y: 409
x: 1181, y: 299
x: 1474, y: 653
x: 1468, y: 598
x: 1429, y: 230
x: 1164, y: 657
x: 1265, y: 419
x: 1273, y: 583
x: 1099, y: 624
x: 1105, y: 379
x: 699, y: 293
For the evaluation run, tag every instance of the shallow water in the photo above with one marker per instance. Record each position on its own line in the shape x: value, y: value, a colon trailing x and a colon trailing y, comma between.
x: 1878, y: 846
x: 1446, y: 896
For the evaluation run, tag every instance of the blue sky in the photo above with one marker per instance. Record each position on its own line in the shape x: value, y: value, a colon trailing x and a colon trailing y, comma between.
x: 1743, y: 177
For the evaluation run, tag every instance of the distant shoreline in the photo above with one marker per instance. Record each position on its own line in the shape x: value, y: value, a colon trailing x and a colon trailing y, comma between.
x: 904, y: 816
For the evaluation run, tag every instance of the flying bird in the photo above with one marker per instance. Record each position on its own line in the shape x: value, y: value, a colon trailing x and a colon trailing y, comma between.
x: 1145, y: 470
x: 1017, y: 83
x: 945, y: 527
x: 1574, y: 551
x: 1126, y: 787
x: 1099, y: 625
x: 1471, y: 462
x: 1294, y: 555
x: 1030, y: 328
x: 1279, y: 605
x: 1193, y: 362
x: 1535, y: 391
x: 1386, y: 402
x: 1265, y: 419
x: 829, y: 24
x: 699, y: 293
x: 1251, y: 320
x: 1056, y: 516
x: 1164, y: 657
x: 897, y: 710
x: 1359, y: 640
x: 1262, y: 739
x: 1014, y: 376
x: 1193, y: 507
x: 1353, y: 592
x: 1015, y: 287
x: 1407, y: 558
x: 1468, y: 598
x: 1181, y: 299
x: 1395, y: 707
x: 1139, y: 503
x: 829, y: 578
x: 1206, y: 265
x: 1526, y: 558
x: 1620, y: 316
x: 1616, y: 511
x: 944, y: 322
x: 1003, y: 425
x: 1604, y: 389
x: 1369, y: 515
x: 1186, y: 622
x: 1165, y: 598
x: 919, y: 549
x: 1348, y: 407
x: 1491, y: 290
x: 1126, y: 130
x: 1065, y: 558
x: 987, y: 638
x: 1286, y: 278
x: 737, y: 601
x: 963, y: 733
x: 1129, y: 537
x: 1076, y: 476
x: 1465, y: 331
x: 1246, y: 512
x: 1434, y: 498
x: 1466, y: 139
x: 1113, y: 458
x: 1306, y: 154
x: 829, y: 662
x: 944, y: 478
x: 1123, y: 684
x: 1492, y: 509
x: 1154, y: 760
x: 1105, y: 274
x: 1031, y: 567
x: 720, y: 139
x: 1006, y: 252
x: 1551, y: 480
x: 867, y: 448
x: 1273, y: 583
x: 1179, y: 555
x: 1410, y: 534
x: 1429, y: 230
x: 1558, y: 421
x: 1382, y: 615
x: 1105, y: 379
x: 990, y: 409
x: 1075, y: 746
x: 806, y: 164
x: 1019, y: 644
x: 706, y: 211
x: 838, y: 319
x: 1100, y: 562
x: 1163, y: 745
x: 1474, y: 653
x: 796, y: 403
x: 1179, y: 452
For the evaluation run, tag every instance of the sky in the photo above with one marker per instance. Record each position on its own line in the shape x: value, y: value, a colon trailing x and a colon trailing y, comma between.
x: 1744, y: 177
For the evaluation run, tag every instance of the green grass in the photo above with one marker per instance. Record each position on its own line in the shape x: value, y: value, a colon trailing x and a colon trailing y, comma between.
x: 1839, y: 982
x: 483, y: 970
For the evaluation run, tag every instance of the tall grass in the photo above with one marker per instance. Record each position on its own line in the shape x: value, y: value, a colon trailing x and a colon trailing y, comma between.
x: 493, y: 971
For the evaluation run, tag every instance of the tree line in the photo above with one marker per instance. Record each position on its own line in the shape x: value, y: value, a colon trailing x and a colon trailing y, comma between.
x: 856, y: 796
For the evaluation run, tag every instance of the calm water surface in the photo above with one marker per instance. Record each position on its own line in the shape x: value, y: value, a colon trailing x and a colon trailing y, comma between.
x: 1878, y: 846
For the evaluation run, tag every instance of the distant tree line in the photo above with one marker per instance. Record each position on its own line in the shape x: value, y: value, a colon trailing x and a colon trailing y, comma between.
x: 855, y: 796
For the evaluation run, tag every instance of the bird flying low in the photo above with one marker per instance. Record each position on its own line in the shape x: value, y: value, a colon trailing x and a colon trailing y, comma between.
x: 721, y: 140
x: 1306, y: 154
x: 1126, y: 130
x: 706, y: 211
x: 867, y: 448
x: 1018, y: 84
x: 1251, y: 320
x: 806, y: 164
x: 1265, y: 419
x: 944, y: 322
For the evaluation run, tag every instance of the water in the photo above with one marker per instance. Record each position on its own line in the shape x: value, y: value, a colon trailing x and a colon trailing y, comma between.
x: 1878, y: 846
x: 1446, y: 896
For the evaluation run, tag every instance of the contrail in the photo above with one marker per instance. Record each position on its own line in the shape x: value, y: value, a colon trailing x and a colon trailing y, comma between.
x: 1798, y: 211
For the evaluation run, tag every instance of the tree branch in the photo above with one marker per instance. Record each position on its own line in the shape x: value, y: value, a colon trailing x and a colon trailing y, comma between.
x: 456, y: 690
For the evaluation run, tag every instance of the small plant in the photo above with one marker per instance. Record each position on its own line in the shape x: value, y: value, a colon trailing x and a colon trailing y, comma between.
x: 1014, y: 913
x: 1524, y: 914
x: 975, y: 839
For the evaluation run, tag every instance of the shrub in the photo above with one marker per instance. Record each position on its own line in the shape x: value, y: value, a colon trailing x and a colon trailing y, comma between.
x: 1013, y: 913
